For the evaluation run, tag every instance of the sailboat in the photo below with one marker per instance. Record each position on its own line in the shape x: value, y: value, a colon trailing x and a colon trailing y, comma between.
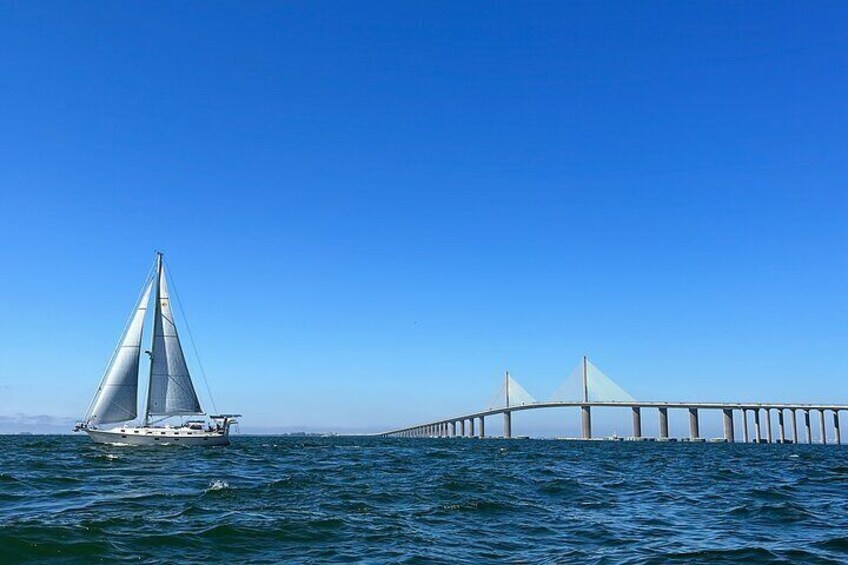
x: 170, y: 391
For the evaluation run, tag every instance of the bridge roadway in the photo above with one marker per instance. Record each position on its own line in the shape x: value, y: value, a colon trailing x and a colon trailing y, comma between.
x: 464, y: 425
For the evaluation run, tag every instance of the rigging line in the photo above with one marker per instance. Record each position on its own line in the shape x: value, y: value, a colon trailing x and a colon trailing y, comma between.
x: 191, y: 337
x: 494, y: 398
x: 147, y: 280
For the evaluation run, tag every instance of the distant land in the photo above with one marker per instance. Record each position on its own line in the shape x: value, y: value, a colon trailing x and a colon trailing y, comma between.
x: 56, y: 425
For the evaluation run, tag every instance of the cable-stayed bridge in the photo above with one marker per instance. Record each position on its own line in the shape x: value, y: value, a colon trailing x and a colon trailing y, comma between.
x: 587, y: 387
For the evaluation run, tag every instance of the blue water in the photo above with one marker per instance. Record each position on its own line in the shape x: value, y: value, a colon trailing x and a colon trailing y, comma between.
x: 342, y: 500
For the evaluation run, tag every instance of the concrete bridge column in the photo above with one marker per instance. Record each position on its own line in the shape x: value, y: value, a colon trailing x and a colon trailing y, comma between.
x: 728, y: 425
x: 769, y: 436
x: 823, y: 429
x: 809, y: 427
x: 794, y: 425
x: 586, y: 421
x: 758, y: 433
x: 462, y: 428
x: 836, y: 427
x: 780, y: 425
x: 453, y: 429
x: 482, y: 427
x: 507, y: 425
x: 745, y: 435
x: 470, y: 427
x: 637, y: 421
x: 694, y: 432
x: 663, y: 422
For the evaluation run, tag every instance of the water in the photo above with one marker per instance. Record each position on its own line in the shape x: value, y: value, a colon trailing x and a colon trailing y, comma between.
x: 342, y: 500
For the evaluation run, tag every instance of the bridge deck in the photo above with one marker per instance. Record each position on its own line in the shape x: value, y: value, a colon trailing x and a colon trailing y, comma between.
x: 626, y: 404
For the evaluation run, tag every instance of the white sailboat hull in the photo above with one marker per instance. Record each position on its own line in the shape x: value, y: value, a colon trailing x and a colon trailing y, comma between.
x: 161, y: 436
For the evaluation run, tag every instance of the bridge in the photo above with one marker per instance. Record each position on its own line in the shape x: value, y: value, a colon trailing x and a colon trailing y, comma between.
x: 588, y: 388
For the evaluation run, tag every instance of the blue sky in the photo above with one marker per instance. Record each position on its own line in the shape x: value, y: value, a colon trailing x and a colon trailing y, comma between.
x: 373, y: 209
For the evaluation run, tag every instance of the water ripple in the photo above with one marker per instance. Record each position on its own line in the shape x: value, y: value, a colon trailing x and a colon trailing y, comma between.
x: 338, y: 500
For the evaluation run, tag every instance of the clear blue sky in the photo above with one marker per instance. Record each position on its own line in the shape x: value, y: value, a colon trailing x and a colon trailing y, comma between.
x: 373, y: 209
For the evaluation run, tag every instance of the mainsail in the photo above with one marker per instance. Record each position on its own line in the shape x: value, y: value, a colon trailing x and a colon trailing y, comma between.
x: 117, y: 397
x: 171, y: 391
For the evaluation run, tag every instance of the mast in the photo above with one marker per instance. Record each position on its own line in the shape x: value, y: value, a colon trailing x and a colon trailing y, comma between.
x: 157, y: 313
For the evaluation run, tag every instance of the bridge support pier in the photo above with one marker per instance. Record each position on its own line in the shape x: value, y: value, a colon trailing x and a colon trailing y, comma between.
x: 809, y: 427
x: 482, y: 427
x: 462, y: 428
x: 794, y: 417
x: 758, y: 433
x: 728, y: 425
x: 507, y: 425
x: 586, y: 421
x: 769, y: 436
x: 823, y: 429
x: 470, y: 427
x: 663, y: 422
x: 836, y: 427
x: 637, y: 422
x: 781, y: 426
x: 745, y: 435
x: 694, y: 431
x: 452, y: 429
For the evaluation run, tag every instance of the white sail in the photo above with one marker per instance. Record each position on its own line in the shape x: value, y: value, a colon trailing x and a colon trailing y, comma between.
x: 117, y: 397
x: 171, y: 390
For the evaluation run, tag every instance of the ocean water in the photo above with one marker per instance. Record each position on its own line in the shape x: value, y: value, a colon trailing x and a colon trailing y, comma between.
x: 374, y: 500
